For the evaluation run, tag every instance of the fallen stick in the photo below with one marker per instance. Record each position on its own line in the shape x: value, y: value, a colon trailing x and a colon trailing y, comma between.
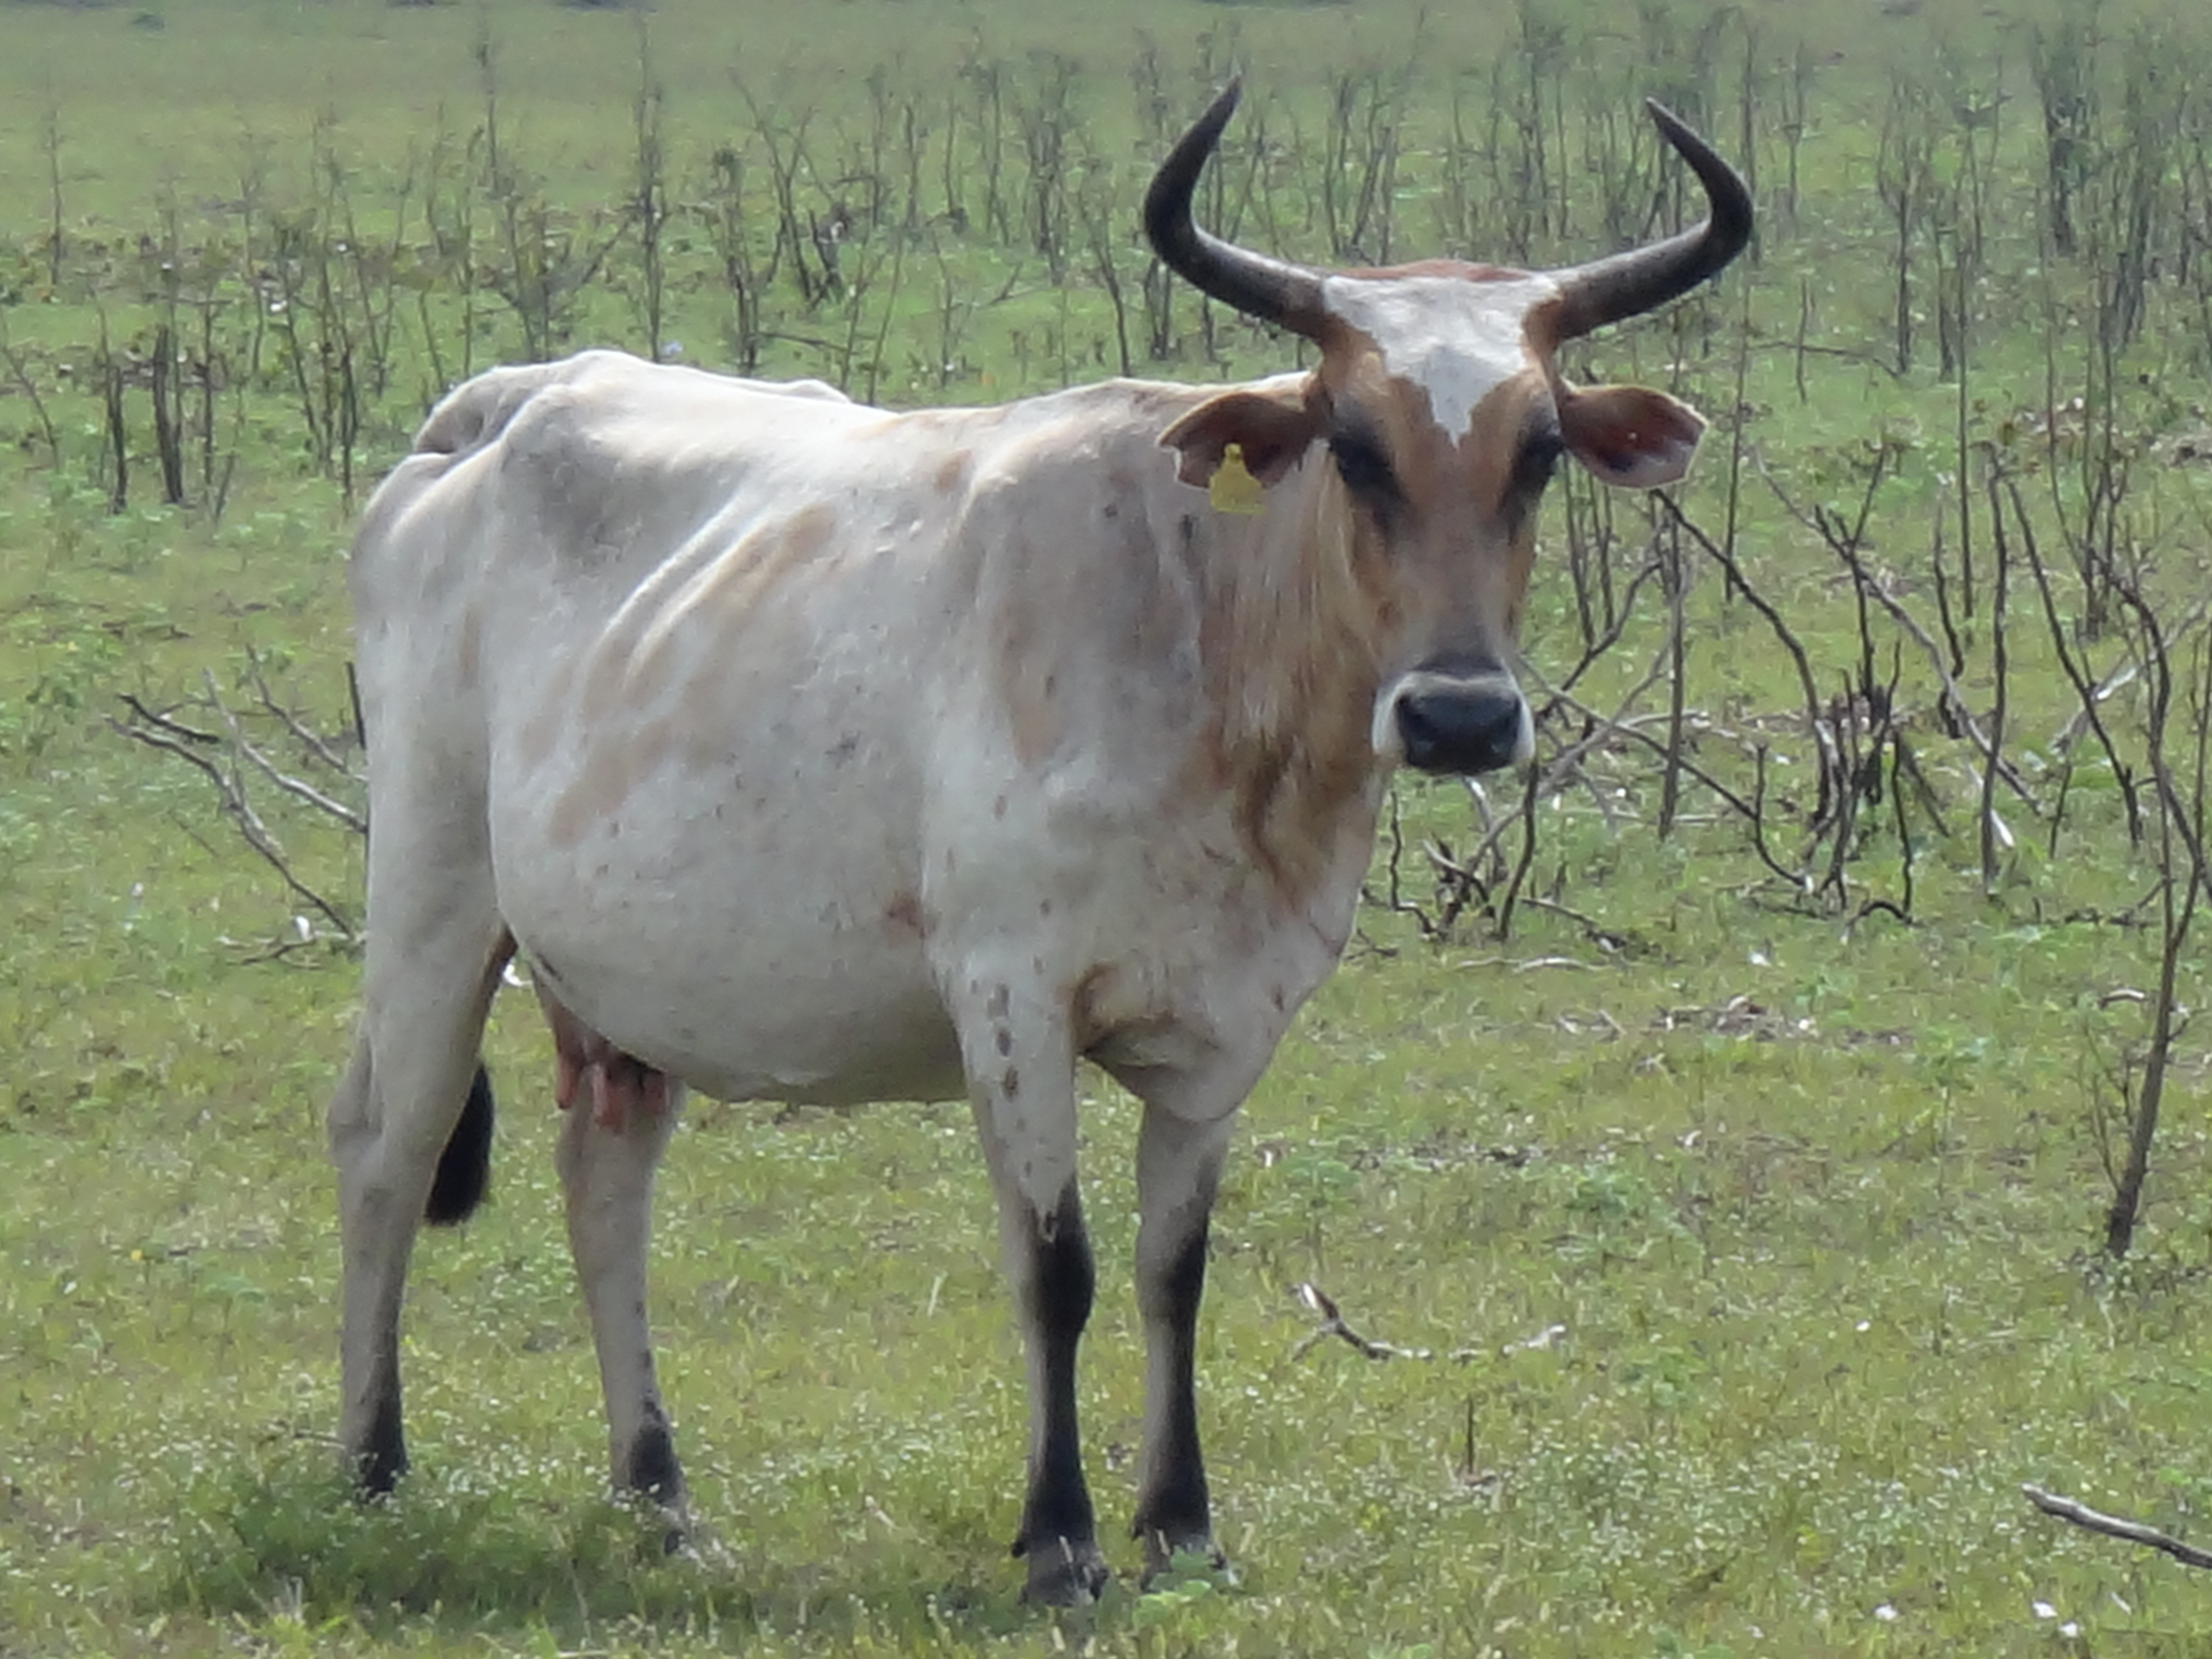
x: 1317, y: 1302
x: 2134, y: 1532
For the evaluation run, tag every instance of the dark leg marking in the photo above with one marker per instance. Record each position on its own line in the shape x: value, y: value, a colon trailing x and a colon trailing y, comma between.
x: 1179, y: 1508
x: 1064, y: 1282
x: 1059, y: 1532
x: 654, y: 1470
x: 384, y: 1459
x: 653, y: 1473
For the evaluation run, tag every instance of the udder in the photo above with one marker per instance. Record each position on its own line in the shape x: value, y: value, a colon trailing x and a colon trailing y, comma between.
x: 619, y: 1083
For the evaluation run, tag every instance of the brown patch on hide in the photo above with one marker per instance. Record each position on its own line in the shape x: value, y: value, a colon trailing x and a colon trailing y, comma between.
x: 1037, y: 722
x: 766, y: 556
x: 546, y: 717
x: 952, y: 472
x: 612, y: 770
x: 590, y: 798
x: 1100, y: 1003
x: 602, y: 679
x: 468, y: 655
x: 1288, y: 647
x: 649, y: 672
x: 654, y: 739
x: 1023, y: 658
x: 808, y: 531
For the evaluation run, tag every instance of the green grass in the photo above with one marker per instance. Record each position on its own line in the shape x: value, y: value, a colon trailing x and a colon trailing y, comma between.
x: 1749, y: 1235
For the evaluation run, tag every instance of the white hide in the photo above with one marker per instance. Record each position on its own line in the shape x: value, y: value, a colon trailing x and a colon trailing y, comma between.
x: 759, y: 817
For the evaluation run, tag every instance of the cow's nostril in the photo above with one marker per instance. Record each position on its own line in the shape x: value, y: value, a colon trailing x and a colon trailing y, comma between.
x: 1460, y: 730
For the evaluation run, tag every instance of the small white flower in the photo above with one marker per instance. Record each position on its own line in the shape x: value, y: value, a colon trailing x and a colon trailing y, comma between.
x: 1886, y: 1613
x: 2045, y: 1610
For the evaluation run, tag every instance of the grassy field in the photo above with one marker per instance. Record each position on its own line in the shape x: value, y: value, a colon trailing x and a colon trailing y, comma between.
x: 1735, y: 1164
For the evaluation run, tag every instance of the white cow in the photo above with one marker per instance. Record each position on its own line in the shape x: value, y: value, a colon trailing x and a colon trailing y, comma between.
x: 812, y: 752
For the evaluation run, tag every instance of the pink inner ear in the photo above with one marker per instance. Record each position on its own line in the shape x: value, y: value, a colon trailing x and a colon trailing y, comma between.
x: 1629, y: 435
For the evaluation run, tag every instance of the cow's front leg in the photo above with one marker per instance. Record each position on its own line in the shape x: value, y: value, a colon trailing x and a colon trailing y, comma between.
x: 1178, y: 1168
x: 1022, y: 1077
x: 609, y: 1149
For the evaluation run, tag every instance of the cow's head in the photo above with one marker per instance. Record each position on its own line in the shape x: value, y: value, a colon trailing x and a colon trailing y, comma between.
x: 1443, y: 410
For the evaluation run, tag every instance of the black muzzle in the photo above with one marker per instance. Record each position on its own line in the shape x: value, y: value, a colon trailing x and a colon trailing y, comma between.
x: 1462, y: 726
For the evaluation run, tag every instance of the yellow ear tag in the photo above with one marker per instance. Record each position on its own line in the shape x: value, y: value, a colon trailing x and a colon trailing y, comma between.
x: 1233, y: 489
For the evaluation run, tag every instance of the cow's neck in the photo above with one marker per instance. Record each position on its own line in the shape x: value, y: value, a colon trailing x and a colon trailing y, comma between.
x: 1291, y: 662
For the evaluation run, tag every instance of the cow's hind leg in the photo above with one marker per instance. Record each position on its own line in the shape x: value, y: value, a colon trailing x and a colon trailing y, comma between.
x: 412, y: 1078
x: 608, y: 1151
x: 1178, y: 1168
x: 1021, y: 1069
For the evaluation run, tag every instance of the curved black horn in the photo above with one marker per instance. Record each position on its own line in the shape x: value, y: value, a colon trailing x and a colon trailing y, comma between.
x: 1275, y: 292
x: 1643, y: 279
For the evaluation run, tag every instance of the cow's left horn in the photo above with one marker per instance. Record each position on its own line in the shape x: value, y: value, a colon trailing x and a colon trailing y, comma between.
x: 1273, y: 291
x: 1643, y: 279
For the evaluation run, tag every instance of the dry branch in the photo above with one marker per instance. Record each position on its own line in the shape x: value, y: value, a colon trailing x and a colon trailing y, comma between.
x: 1847, y: 543
x: 1318, y: 1301
x: 299, y: 788
x: 227, y: 757
x: 2112, y: 1525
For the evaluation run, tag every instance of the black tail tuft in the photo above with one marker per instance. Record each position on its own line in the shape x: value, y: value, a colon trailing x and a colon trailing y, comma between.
x: 465, y: 1167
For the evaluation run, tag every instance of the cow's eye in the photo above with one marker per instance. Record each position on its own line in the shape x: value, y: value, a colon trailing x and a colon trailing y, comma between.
x: 1538, y: 460
x: 1364, y: 468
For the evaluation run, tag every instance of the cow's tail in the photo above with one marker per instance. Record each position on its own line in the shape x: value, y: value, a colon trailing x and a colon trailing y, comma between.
x: 465, y: 1167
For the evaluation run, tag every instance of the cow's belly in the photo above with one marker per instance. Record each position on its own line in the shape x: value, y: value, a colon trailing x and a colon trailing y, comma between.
x: 761, y: 961
x: 807, y: 1022
x: 823, y: 1031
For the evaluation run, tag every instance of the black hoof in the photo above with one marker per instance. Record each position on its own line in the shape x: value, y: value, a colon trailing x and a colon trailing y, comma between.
x: 1063, y: 1573
x: 378, y: 1465
x: 1173, y: 1561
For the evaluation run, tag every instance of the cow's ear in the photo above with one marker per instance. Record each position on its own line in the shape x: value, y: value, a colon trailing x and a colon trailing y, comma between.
x: 1273, y: 427
x: 1629, y: 435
